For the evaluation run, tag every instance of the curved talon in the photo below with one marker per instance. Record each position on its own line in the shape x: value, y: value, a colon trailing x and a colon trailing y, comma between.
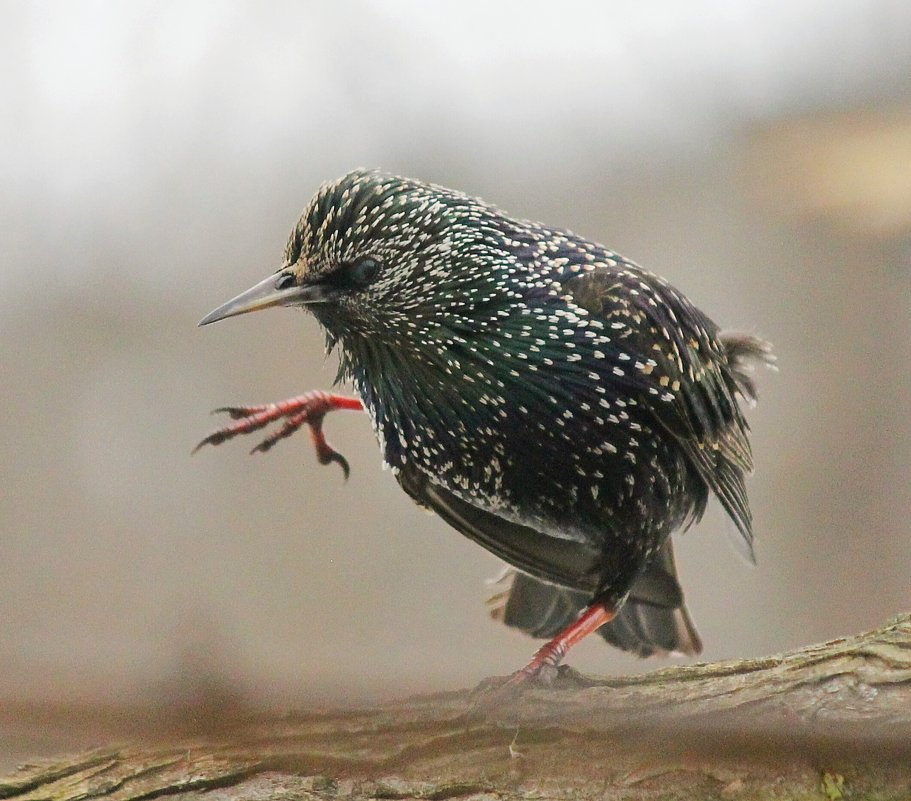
x: 505, y: 690
x: 239, y: 412
x: 326, y: 454
x: 263, y: 446
x: 340, y: 460
x: 215, y: 438
x: 246, y: 424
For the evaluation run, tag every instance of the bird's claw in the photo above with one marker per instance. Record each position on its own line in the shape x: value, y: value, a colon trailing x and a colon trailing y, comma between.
x: 239, y: 412
x: 499, y: 691
x: 308, y: 409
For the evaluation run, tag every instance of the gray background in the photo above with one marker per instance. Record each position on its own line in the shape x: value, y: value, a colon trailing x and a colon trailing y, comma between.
x: 153, y: 158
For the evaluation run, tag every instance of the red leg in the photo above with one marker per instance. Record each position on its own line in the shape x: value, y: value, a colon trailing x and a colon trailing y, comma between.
x: 552, y: 652
x: 307, y: 409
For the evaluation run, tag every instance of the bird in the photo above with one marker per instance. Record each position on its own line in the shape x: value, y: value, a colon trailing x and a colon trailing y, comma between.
x: 548, y: 398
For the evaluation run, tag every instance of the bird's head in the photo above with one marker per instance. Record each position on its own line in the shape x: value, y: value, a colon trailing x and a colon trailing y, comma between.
x: 373, y: 251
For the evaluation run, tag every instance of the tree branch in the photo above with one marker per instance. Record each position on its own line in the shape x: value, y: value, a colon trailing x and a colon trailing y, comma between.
x: 827, y: 721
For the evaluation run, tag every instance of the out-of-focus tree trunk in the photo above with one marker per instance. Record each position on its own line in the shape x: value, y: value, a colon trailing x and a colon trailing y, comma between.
x: 827, y: 721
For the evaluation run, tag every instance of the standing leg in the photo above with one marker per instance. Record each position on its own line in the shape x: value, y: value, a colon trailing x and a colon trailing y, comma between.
x: 552, y: 652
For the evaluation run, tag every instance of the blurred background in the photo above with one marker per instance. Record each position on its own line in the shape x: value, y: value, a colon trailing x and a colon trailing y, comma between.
x: 153, y: 158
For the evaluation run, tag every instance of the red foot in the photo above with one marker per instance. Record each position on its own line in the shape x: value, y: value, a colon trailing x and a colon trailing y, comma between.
x: 309, y: 408
x: 552, y: 652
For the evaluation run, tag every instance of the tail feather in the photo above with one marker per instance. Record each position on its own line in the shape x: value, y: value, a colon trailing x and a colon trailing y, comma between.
x: 654, y: 619
x: 743, y: 352
x: 726, y: 475
x: 648, y: 630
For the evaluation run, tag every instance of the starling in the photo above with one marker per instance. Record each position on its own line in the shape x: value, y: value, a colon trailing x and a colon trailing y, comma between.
x: 548, y: 398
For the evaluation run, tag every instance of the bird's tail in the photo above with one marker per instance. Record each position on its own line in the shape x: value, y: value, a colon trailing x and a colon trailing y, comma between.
x: 654, y: 619
x: 743, y: 352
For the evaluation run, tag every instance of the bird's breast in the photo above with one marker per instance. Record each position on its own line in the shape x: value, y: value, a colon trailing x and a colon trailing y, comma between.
x: 572, y: 475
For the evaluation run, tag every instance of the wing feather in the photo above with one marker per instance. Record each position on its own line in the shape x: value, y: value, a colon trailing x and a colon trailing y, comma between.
x: 567, y: 563
x: 689, y: 375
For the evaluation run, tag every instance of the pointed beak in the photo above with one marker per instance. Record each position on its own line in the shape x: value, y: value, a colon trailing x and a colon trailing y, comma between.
x: 265, y: 294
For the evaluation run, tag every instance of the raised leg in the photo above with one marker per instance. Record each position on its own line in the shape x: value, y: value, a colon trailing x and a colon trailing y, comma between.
x: 307, y: 409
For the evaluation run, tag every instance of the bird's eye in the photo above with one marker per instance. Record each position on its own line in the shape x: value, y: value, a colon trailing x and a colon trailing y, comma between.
x: 285, y: 281
x: 362, y: 271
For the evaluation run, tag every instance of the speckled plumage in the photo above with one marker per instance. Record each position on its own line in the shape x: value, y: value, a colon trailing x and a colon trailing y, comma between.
x: 546, y: 396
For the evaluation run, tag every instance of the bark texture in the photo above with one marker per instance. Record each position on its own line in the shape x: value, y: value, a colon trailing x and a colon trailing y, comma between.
x: 829, y: 721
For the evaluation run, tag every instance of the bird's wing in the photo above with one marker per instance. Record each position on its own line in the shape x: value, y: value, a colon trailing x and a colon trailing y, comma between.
x: 558, y: 561
x: 668, y: 354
